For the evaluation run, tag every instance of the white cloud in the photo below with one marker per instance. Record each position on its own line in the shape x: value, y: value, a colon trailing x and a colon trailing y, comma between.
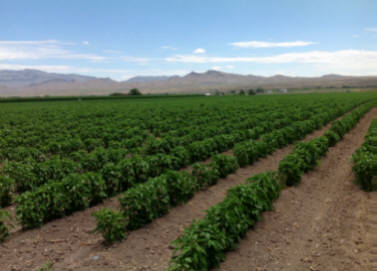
x: 199, y: 51
x: 355, y: 36
x: 221, y: 68
x: 266, y: 44
x: 61, y: 68
x: 43, y: 52
x: 371, y: 29
x: 302, y: 57
x: 358, y: 62
x: 43, y: 49
x: 116, y: 74
x: 85, y: 42
x: 52, y: 49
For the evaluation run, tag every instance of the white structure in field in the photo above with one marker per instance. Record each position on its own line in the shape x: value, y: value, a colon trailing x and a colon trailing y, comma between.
x: 207, y: 94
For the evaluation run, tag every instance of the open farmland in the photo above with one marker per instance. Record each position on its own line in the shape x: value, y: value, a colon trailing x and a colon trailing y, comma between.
x: 110, y: 184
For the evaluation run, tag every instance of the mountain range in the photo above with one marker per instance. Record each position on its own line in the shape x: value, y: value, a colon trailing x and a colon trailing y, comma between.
x: 38, y: 83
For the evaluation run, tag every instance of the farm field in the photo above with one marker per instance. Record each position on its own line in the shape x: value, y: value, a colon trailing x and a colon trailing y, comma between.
x: 162, y: 169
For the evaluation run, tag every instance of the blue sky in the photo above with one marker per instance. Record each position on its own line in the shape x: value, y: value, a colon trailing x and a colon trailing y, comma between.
x: 121, y: 39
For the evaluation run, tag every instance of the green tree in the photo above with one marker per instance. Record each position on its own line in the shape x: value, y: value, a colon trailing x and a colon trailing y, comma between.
x: 251, y: 92
x: 134, y: 91
x: 242, y: 92
x: 260, y: 90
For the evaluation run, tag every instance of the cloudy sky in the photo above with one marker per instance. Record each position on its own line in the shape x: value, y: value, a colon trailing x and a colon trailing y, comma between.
x: 121, y: 39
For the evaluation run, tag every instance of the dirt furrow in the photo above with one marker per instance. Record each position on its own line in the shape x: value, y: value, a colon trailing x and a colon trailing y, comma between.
x: 325, y: 223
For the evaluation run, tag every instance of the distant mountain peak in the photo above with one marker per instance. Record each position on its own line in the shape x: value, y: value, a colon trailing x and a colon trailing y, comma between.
x: 207, y: 73
x: 32, y: 77
x: 141, y: 79
x: 332, y: 75
x: 30, y: 82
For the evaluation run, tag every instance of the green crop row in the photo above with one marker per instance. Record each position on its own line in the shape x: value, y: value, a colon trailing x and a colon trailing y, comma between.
x: 49, y: 183
x: 4, y: 228
x: 139, y: 208
x: 306, y: 154
x: 145, y: 202
x: 56, y: 199
x: 57, y: 132
x: 249, y: 151
x: 29, y: 174
x: 204, y: 243
x: 122, y: 175
x: 365, y: 160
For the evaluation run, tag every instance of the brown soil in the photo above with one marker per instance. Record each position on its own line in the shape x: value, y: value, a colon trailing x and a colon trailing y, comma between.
x: 68, y: 243
x: 325, y: 223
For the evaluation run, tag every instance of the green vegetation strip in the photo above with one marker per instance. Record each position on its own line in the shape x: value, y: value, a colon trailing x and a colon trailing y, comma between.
x: 365, y: 160
x: 28, y: 168
x: 48, y: 201
x: 204, y: 243
x: 152, y: 199
x: 66, y: 156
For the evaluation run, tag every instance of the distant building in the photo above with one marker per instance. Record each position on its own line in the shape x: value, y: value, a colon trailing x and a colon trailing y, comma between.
x: 284, y: 90
x: 207, y: 94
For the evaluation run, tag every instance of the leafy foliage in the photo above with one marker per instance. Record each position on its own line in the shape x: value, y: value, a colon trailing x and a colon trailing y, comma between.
x: 6, y: 188
x: 145, y: 202
x: 181, y: 186
x: 291, y: 169
x: 306, y: 154
x: 203, y: 244
x: 56, y: 199
x: 224, y: 164
x: 205, y: 175
x: 4, y: 230
x: 111, y: 224
x: 365, y: 159
x: 51, y: 150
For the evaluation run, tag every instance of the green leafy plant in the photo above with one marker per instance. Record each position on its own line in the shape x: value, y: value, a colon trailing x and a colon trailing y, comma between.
x: 4, y: 229
x: 56, y: 199
x: 205, y: 175
x: 224, y: 164
x: 247, y: 152
x: 365, y: 160
x: 111, y: 224
x: 181, y: 186
x: 291, y: 169
x: 145, y: 202
x: 47, y: 267
x: 332, y: 137
x: 204, y: 243
x: 6, y: 189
